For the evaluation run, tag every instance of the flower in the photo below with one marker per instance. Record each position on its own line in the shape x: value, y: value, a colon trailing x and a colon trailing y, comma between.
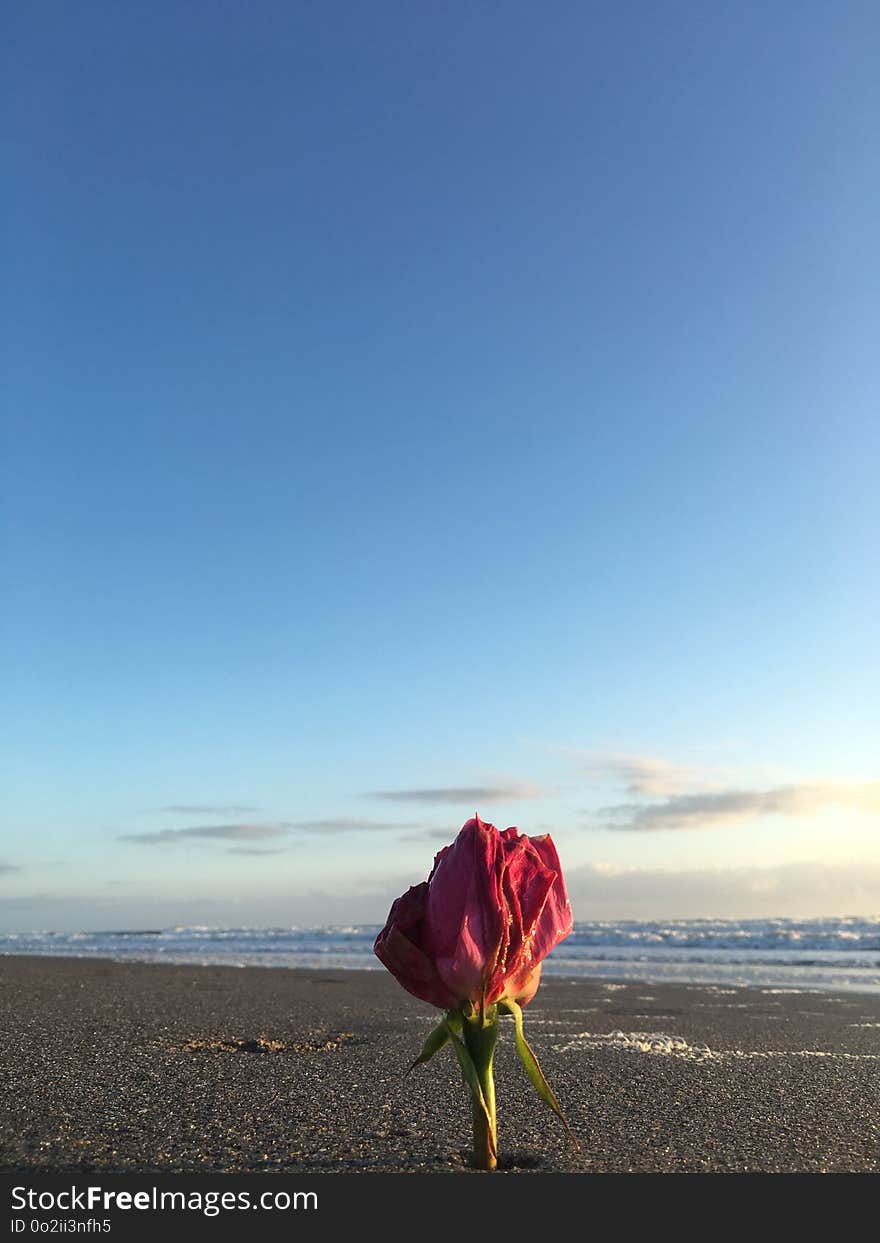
x: 479, y: 928
x: 471, y: 939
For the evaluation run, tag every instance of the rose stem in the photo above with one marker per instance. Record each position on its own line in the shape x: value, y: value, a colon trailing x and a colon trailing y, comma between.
x: 480, y: 1035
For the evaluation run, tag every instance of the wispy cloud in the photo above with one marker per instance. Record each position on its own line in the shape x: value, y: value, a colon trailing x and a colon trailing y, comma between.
x: 255, y: 850
x: 8, y: 867
x: 256, y: 832
x: 647, y: 774
x: 210, y: 832
x: 724, y: 807
x: 208, y: 809
x: 471, y: 795
x: 353, y: 824
x: 429, y: 835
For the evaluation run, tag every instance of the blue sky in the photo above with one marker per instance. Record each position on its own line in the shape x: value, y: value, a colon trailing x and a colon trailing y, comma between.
x: 475, y: 404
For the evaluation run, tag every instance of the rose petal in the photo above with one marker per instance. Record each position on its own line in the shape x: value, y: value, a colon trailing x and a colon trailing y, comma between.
x: 555, y: 921
x: 464, y: 917
x: 398, y: 947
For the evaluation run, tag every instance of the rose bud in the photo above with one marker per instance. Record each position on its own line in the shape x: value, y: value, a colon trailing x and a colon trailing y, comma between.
x: 477, y: 931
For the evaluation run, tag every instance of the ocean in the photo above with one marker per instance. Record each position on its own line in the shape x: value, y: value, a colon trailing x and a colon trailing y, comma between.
x: 784, y: 954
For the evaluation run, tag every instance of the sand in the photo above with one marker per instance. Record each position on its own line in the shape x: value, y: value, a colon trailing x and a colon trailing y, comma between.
x: 142, y: 1068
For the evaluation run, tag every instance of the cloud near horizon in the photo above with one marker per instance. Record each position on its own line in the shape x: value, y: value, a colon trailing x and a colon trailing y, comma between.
x: 726, y: 807
x: 806, y: 889
x: 5, y: 868
x: 464, y: 794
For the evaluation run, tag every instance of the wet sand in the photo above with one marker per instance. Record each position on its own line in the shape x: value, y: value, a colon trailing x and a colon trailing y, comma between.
x: 141, y: 1068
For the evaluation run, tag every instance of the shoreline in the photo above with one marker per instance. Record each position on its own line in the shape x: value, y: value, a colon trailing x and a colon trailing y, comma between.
x: 769, y: 983
x: 150, y: 1067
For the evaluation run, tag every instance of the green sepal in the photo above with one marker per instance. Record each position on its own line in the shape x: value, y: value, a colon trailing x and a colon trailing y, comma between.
x: 434, y: 1042
x: 533, y: 1070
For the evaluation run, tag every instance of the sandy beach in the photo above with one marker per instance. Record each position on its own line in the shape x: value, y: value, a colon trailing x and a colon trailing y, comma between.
x: 141, y: 1068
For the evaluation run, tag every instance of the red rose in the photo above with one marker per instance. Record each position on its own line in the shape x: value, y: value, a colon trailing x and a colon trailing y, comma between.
x: 477, y: 931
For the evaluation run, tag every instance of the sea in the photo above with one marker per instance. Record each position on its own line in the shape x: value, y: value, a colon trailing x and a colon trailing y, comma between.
x: 783, y: 954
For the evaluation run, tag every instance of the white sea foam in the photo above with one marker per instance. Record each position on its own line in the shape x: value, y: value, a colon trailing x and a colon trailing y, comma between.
x: 658, y: 1043
x: 663, y: 1045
